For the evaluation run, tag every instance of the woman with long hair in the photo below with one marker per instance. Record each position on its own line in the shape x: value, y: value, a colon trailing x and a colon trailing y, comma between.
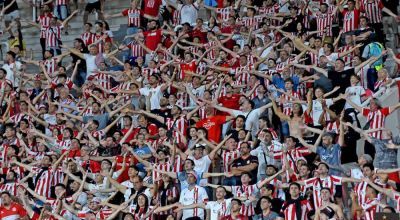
x: 168, y: 194
x: 142, y: 210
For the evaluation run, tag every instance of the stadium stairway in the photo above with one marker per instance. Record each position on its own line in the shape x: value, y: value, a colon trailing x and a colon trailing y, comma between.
x: 31, y: 34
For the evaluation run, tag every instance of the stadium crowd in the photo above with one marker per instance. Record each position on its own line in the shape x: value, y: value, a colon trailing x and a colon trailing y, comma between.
x: 251, y: 114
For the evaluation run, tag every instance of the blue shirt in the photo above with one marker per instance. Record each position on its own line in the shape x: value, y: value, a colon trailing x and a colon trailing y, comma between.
x: 145, y: 150
x: 182, y: 177
x: 331, y: 156
x: 279, y: 82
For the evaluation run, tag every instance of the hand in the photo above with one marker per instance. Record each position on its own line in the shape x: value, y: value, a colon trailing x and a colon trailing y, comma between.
x: 391, y: 145
x: 348, y: 124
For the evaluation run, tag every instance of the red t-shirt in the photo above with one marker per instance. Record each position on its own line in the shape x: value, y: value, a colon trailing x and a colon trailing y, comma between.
x: 151, y: 7
x: 151, y: 128
x: 153, y: 38
x: 16, y: 211
x: 94, y: 166
x: 230, y: 102
x: 213, y: 126
x: 191, y: 67
x: 130, y: 137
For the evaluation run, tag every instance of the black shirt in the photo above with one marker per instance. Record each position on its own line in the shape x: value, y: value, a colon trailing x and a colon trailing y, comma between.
x: 292, y: 26
x: 341, y: 79
x: 243, y: 162
x: 82, y: 65
x: 349, y: 153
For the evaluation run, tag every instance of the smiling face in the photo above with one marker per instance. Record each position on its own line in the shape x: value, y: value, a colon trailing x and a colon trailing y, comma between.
x: 141, y: 201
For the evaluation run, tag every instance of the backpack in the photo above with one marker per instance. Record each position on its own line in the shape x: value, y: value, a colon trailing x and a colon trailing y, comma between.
x: 375, y: 49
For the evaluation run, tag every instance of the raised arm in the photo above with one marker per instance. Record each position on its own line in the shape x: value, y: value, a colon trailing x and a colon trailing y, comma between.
x: 358, y: 108
x: 74, y: 51
x: 151, y: 115
x: 277, y: 111
x: 65, y: 22
x: 360, y: 131
x: 368, y: 61
x: 220, y: 108
x: 214, y: 151
x: 389, y: 192
x: 269, y: 179
x: 117, y: 185
x: 227, y: 188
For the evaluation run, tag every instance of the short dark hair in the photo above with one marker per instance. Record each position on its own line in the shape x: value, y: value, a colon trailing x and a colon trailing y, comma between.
x: 11, y: 53
x: 107, y: 160
x: 5, y: 193
x: 96, y: 123
x: 295, y: 184
x: 273, y: 166
x: 370, y: 166
x: 61, y: 185
x: 191, y: 161
x: 251, y: 103
x: 322, y: 163
x: 341, y: 60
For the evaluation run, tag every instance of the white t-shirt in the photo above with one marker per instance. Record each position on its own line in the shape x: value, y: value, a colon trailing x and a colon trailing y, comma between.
x: 188, y: 13
x: 355, y: 93
x: 188, y: 197
x: 50, y: 119
x: 198, y: 92
x: 262, y: 153
x: 317, y: 109
x: 356, y: 173
x: 219, y: 208
x: 201, y: 166
x: 332, y: 57
x: 156, y: 95
x: 91, y: 63
x: 251, y: 120
x: 10, y: 73
x: 92, y: 187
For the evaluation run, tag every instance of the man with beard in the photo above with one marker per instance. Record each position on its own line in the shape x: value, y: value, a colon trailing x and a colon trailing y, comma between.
x: 11, y: 210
